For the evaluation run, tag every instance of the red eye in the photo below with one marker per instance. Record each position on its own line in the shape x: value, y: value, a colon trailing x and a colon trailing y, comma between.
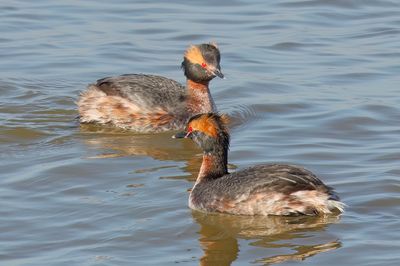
x: 189, y: 132
x: 203, y: 65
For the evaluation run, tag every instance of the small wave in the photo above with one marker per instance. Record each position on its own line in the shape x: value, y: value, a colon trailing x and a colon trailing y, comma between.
x: 242, y: 115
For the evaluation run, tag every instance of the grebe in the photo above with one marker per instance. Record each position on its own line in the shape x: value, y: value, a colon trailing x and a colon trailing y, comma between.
x: 149, y: 103
x: 266, y: 189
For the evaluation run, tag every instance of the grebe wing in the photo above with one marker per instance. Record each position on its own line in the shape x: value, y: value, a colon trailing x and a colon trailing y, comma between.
x: 274, y: 177
x: 144, y: 89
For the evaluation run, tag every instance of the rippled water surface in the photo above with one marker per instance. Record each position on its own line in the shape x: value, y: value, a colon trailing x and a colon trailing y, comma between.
x: 314, y: 83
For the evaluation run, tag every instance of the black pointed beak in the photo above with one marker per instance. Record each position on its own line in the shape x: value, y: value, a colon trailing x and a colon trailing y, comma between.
x: 180, y: 135
x: 218, y: 73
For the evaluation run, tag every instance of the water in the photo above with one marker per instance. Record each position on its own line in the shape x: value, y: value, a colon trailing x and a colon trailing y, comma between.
x: 314, y: 83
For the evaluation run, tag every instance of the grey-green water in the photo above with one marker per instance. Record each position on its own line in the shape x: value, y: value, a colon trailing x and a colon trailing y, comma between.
x: 314, y: 83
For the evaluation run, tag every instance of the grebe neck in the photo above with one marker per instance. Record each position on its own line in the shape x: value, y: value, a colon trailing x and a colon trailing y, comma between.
x: 214, y: 165
x: 200, y: 100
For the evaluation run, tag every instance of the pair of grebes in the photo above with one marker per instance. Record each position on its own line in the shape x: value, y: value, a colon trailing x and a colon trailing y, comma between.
x: 149, y: 103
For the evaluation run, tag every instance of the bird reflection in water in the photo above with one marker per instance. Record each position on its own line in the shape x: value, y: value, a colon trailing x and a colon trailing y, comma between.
x: 113, y: 142
x: 280, y: 236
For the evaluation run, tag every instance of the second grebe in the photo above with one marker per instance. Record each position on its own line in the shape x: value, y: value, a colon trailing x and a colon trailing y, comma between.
x: 149, y: 103
x: 266, y: 189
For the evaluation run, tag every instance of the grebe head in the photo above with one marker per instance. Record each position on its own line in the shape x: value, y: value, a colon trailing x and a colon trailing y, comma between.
x: 201, y: 62
x: 209, y: 131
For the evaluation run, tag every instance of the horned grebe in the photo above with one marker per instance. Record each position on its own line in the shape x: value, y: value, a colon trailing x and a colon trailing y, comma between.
x: 266, y: 189
x: 149, y: 103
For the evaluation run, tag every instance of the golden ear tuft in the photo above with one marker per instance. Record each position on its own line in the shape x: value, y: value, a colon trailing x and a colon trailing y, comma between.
x: 206, y: 124
x: 210, y: 124
x: 193, y: 54
x: 225, y: 119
